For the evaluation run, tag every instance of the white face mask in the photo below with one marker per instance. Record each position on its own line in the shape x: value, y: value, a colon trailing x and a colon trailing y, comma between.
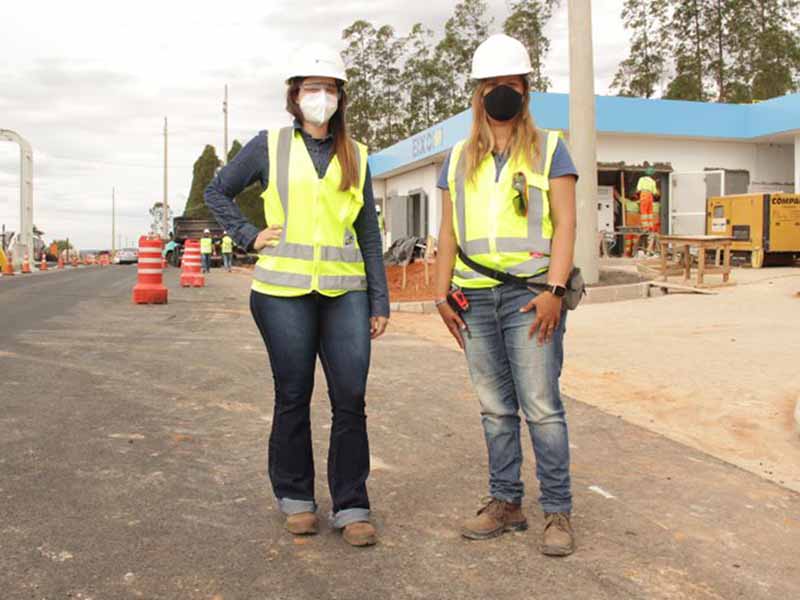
x: 319, y: 107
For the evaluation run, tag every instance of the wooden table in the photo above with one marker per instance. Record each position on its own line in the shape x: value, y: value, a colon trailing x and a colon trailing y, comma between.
x: 722, y: 245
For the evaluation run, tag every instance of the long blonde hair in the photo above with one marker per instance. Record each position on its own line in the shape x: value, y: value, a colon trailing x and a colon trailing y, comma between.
x: 524, y: 143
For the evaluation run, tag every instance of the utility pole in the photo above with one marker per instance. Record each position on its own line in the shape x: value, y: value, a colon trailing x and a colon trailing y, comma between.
x: 113, y: 221
x: 225, y: 112
x: 165, y: 231
x: 583, y: 135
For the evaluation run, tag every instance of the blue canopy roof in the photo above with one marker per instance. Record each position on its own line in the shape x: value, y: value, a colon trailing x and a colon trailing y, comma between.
x: 616, y: 114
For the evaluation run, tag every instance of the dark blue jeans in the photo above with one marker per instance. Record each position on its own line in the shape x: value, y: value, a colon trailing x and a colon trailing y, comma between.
x: 512, y: 374
x: 296, y: 331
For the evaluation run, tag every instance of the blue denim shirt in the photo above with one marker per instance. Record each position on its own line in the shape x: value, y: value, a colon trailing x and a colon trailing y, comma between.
x: 251, y: 164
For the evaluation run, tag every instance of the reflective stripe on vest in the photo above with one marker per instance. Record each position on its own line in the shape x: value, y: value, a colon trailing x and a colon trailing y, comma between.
x: 336, y: 268
x: 527, y: 255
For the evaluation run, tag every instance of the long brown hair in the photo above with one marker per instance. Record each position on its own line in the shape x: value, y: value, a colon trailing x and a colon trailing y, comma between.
x: 343, y: 147
x: 524, y: 143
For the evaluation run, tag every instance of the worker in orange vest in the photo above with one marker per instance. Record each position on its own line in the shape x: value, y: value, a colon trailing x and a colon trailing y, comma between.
x: 647, y: 192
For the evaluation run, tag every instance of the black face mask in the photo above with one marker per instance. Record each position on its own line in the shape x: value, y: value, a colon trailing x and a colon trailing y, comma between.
x: 503, y: 103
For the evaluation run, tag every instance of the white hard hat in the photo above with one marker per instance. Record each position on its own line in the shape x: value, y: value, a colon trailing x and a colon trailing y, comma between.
x: 317, y: 60
x: 206, y: 231
x: 498, y: 56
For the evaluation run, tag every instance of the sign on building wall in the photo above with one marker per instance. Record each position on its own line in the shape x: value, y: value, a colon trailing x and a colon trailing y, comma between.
x: 427, y: 142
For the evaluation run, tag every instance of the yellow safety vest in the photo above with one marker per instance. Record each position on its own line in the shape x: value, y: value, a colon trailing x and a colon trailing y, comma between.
x: 227, y: 245
x: 647, y: 184
x: 318, y: 249
x: 487, y: 226
x: 205, y: 245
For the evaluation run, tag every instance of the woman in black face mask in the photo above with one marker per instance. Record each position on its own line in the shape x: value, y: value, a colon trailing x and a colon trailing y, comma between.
x: 509, y: 206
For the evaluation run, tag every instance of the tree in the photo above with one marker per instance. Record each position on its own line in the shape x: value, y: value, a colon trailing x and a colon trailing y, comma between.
x: 690, y: 49
x: 359, y: 56
x: 463, y: 33
x: 63, y: 245
x: 205, y: 167
x: 157, y: 214
x: 389, y: 52
x: 640, y: 73
x: 526, y: 23
x: 421, y: 79
x: 250, y: 202
x: 727, y: 44
x: 773, y: 57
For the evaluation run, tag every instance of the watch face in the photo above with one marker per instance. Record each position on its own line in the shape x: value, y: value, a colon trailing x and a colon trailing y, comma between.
x: 559, y: 290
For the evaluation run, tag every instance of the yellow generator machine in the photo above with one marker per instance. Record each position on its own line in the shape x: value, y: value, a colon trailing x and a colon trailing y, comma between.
x: 764, y: 226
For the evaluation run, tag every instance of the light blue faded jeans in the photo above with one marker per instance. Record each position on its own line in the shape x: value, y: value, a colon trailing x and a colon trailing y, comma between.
x: 512, y: 372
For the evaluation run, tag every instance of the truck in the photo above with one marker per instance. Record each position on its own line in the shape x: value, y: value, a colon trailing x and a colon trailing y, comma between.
x: 187, y: 228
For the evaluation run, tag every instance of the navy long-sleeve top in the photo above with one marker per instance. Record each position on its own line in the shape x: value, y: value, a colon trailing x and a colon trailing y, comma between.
x: 251, y: 164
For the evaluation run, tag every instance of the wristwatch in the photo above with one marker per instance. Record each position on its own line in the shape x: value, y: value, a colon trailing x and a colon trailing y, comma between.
x: 559, y: 291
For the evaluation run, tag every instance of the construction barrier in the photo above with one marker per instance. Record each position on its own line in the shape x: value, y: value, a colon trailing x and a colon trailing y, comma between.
x: 26, y: 265
x: 149, y: 288
x: 190, y: 265
x: 43, y: 263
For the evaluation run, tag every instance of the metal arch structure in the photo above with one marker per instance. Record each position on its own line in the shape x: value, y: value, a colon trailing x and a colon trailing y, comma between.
x: 25, y: 234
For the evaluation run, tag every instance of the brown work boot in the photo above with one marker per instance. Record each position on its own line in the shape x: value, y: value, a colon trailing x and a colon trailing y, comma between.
x: 494, y: 519
x: 557, y: 539
x: 304, y: 523
x: 361, y: 533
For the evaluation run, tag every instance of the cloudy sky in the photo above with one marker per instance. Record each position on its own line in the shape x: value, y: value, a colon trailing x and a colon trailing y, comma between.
x: 89, y: 83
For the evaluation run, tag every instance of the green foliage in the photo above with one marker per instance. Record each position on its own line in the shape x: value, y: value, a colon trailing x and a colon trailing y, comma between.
x: 359, y: 56
x: 726, y: 50
x: 249, y: 200
x: 421, y: 80
x: 526, y: 23
x: 690, y: 49
x: 463, y: 33
x: 233, y: 151
x: 205, y: 167
x: 641, y: 72
x: 63, y: 245
x: 399, y: 86
x: 774, y: 56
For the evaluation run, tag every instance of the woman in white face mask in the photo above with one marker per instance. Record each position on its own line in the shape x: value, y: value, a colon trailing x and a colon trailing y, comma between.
x: 319, y: 287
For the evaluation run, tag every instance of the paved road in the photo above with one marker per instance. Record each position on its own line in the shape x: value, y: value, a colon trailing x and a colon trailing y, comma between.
x: 132, y: 458
x: 27, y: 299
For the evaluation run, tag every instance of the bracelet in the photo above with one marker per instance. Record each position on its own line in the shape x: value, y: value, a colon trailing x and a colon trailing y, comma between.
x: 439, y: 302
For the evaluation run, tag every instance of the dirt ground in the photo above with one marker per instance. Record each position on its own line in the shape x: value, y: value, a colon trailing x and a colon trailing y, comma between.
x: 718, y: 373
x: 417, y: 290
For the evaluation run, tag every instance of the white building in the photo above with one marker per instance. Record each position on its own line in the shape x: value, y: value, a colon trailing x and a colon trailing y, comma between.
x: 698, y: 149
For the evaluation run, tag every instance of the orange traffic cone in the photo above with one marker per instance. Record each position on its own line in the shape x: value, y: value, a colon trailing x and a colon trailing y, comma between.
x: 60, y: 262
x: 8, y: 269
x: 74, y: 261
x: 43, y: 264
x: 26, y: 265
